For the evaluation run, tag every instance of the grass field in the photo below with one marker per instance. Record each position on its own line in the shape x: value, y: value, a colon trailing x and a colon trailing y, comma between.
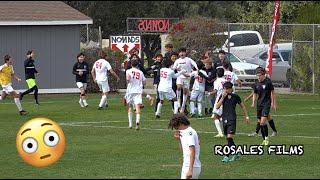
x: 100, y: 145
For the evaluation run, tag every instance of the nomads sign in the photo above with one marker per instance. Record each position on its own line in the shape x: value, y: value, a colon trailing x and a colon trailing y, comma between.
x: 150, y: 25
x: 125, y: 44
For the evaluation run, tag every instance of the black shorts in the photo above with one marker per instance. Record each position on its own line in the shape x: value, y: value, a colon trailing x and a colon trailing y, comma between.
x: 208, y: 88
x: 229, y: 127
x: 263, y: 111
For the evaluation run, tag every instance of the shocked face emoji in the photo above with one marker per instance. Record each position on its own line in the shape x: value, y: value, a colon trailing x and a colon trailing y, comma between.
x: 40, y: 142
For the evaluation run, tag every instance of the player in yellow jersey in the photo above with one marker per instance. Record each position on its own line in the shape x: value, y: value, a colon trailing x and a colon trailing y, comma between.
x: 6, y: 74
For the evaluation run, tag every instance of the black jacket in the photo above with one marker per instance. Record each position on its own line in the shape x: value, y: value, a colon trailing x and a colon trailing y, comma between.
x: 156, y: 69
x: 84, y: 67
x: 29, y: 69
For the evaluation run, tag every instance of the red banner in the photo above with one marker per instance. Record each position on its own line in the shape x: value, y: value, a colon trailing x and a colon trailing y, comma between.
x: 275, y: 20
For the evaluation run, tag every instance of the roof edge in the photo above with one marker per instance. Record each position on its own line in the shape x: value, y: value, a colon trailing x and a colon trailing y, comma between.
x: 21, y: 23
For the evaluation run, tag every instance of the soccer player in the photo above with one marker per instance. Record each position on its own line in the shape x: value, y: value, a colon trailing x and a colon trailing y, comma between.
x: 165, y: 86
x: 99, y: 74
x: 229, y: 101
x: 270, y: 121
x: 81, y: 70
x: 6, y: 74
x: 30, y: 71
x: 198, y: 89
x: 265, y: 90
x: 218, y: 89
x: 183, y: 81
x: 231, y: 76
x: 189, y: 144
x: 135, y: 79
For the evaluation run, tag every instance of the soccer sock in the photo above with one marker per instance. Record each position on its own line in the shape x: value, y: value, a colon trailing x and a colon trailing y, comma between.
x: 106, y: 102
x: 138, y: 119
x: 262, y: 132
x: 185, y: 96
x: 35, y: 93
x: 258, y: 127
x: 17, y: 101
x: 179, y: 96
x: 130, y: 118
x: 191, y: 107
x: 159, y: 106
x: 102, y: 101
x: 156, y: 104
x: 217, y: 123
x: 212, y: 99
x: 230, y: 143
x: 148, y: 96
x: 81, y: 102
x: 265, y: 130
x: 27, y: 91
x: 176, y: 107
x: 199, y: 108
x: 273, y: 127
x: 0, y: 98
x: 84, y: 102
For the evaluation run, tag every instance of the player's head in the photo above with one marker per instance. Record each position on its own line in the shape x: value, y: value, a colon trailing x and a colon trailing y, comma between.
x: 220, y: 72
x: 102, y: 54
x: 168, y: 47
x: 177, y: 120
x: 158, y: 57
x: 134, y: 63
x: 260, y: 73
x: 80, y: 57
x: 208, y: 63
x: 182, y: 52
x: 200, y: 65
x: 228, y: 87
x: 174, y: 56
x: 135, y: 51
x: 134, y: 57
x: 221, y: 54
x: 167, y: 63
x: 30, y: 54
x: 226, y: 65
x: 7, y: 59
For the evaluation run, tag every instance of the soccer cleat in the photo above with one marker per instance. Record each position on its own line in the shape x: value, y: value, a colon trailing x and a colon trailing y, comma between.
x: 210, y: 111
x: 23, y: 112
x: 192, y: 114
x: 151, y: 101
x: 225, y: 159
x: 266, y: 142
x: 107, y: 105
x: 186, y: 112
x: 274, y: 133
x: 138, y: 126
x: 141, y: 106
x: 124, y: 101
x: 81, y: 104
x: 157, y: 116
x: 36, y: 103
x: 130, y: 127
x: 100, y: 108
x: 234, y: 157
x: 219, y: 135
x: 199, y: 115
x: 254, y: 134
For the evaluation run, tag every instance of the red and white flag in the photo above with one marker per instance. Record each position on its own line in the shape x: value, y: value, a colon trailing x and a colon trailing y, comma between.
x: 275, y: 20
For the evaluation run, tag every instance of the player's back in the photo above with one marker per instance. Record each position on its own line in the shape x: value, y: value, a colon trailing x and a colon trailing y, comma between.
x: 199, y: 82
x: 101, y: 69
x: 218, y: 85
x: 135, y: 84
x: 230, y: 76
x: 166, y: 75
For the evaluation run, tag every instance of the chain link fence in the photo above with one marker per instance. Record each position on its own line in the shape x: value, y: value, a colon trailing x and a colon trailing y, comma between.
x: 296, y: 51
x: 90, y: 37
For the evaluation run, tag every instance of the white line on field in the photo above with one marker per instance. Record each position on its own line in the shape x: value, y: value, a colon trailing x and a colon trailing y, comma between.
x: 85, y: 124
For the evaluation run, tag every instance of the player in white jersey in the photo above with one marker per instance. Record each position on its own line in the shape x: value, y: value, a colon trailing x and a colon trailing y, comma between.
x: 218, y: 89
x: 198, y: 90
x: 189, y: 144
x: 165, y: 86
x: 231, y: 76
x: 135, y: 79
x: 99, y: 74
x: 184, y: 80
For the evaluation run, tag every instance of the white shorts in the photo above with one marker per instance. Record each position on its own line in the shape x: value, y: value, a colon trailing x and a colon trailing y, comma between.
x: 104, y: 86
x: 133, y: 98
x: 81, y: 84
x: 7, y: 88
x: 195, y: 172
x: 168, y: 95
x: 185, y: 82
x: 216, y: 111
x: 196, y: 94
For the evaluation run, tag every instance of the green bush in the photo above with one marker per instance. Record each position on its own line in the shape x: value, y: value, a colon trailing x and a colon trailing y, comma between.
x: 117, y: 58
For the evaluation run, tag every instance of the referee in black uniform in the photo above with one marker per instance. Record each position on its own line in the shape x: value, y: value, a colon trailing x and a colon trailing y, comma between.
x: 229, y: 101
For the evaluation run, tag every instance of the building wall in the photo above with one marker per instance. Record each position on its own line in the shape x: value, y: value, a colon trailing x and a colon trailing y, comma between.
x: 55, y: 47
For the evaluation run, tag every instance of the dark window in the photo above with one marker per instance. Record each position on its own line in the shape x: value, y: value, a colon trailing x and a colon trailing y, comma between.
x: 286, y: 56
x: 251, y: 39
x: 263, y: 56
x: 237, y: 40
x: 276, y: 56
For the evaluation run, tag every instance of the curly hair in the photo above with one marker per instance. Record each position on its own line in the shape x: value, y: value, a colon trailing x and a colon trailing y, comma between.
x: 178, y: 119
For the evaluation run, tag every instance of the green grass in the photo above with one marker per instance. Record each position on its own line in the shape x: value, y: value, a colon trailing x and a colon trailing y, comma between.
x: 99, y: 144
